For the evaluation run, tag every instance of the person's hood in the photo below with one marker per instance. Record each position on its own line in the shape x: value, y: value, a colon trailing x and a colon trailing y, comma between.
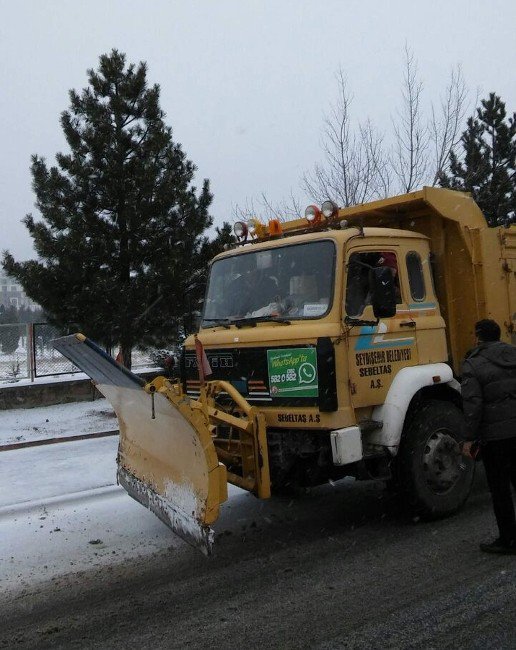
x: 499, y: 353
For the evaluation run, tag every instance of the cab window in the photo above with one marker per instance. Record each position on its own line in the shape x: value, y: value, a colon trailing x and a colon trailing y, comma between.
x: 415, y: 276
x: 358, y: 287
x: 295, y: 281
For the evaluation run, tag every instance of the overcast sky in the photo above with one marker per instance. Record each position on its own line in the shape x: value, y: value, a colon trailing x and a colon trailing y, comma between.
x: 245, y: 84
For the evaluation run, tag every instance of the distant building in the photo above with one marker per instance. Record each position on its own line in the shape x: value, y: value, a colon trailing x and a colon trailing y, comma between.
x: 12, y: 294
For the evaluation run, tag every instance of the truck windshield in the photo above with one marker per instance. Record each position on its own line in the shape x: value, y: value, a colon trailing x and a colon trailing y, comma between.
x: 290, y: 282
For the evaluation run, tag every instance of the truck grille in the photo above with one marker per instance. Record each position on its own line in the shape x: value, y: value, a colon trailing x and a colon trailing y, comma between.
x: 248, y: 370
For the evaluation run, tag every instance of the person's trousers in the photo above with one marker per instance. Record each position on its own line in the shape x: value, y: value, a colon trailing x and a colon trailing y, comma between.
x: 499, y: 457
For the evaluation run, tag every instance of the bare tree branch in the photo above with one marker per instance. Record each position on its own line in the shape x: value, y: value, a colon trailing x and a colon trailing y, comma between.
x: 355, y: 167
x: 445, y: 123
x: 265, y: 209
x: 409, y: 161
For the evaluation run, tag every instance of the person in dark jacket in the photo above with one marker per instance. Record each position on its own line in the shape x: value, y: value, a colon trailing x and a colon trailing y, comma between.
x: 489, y: 401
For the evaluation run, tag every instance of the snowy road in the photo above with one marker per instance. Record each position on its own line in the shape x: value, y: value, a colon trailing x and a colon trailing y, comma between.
x: 56, y: 500
x: 75, y: 467
x: 340, y: 568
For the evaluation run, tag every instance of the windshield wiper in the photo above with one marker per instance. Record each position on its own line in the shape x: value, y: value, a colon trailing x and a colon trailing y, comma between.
x: 223, y: 322
x: 243, y: 322
x: 252, y: 320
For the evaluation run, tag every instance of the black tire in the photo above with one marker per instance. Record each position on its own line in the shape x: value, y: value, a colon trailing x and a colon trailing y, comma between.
x: 435, y: 479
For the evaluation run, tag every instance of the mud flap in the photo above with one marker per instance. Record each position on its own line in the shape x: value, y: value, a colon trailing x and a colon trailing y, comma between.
x: 166, y: 458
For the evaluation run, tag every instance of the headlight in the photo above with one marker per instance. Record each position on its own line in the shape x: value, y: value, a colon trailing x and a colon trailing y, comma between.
x: 329, y: 209
x: 312, y: 214
x: 240, y: 230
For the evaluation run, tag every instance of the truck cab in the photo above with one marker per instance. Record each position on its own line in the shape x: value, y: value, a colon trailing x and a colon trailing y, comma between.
x: 290, y: 324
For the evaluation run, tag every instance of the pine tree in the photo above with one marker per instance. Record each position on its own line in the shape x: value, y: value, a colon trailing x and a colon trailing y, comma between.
x: 121, y: 244
x: 487, y: 167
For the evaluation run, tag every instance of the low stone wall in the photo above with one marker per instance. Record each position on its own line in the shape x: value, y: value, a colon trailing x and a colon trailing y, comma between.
x: 23, y: 396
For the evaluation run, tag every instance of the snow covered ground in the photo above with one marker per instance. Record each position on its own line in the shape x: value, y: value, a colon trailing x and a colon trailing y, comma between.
x: 36, y: 474
x: 61, y: 420
x: 56, y: 499
x: 61, y: 511
x: 20, y: 425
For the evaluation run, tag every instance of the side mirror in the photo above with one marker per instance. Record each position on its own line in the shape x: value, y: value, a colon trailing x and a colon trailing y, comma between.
x: 383, y: 292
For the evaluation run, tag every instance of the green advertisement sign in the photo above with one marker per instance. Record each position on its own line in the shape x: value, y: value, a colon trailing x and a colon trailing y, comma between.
x: 293, y: 372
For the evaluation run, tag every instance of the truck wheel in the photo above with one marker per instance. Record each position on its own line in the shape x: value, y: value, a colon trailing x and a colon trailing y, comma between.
x: 435, y: 478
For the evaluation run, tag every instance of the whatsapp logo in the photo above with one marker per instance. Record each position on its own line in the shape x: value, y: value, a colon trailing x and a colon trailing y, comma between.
x: 307, y: 373
x: 292, y: 372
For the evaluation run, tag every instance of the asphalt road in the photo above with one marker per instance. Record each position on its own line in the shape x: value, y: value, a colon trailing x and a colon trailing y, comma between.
x: 339, y: 568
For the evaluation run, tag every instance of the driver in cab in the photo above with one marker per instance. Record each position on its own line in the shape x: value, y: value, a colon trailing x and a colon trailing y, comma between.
x: 254, y: 291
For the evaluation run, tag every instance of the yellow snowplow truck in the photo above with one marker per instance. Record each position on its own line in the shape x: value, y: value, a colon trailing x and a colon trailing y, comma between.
x: 328, y: 347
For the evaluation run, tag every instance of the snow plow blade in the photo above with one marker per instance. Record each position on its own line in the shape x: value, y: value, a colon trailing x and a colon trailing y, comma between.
x: 166, y: 458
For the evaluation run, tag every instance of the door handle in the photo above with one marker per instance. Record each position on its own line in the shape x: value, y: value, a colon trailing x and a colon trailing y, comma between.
x: 408, y: 323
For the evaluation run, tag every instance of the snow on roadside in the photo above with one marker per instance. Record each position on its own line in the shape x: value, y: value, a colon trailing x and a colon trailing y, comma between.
x: 33, y: 474
x: 21, y: 425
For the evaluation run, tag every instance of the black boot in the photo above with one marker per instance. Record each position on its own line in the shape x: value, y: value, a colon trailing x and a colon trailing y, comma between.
x: 499, y: 546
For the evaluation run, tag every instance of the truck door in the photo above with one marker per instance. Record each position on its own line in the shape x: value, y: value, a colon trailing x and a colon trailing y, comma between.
x: 376, y: 352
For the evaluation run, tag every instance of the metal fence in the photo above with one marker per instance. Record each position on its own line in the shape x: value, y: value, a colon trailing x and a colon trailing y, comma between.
x: 46, y: 360
x: 13, y: 352
x: 26, y: 351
